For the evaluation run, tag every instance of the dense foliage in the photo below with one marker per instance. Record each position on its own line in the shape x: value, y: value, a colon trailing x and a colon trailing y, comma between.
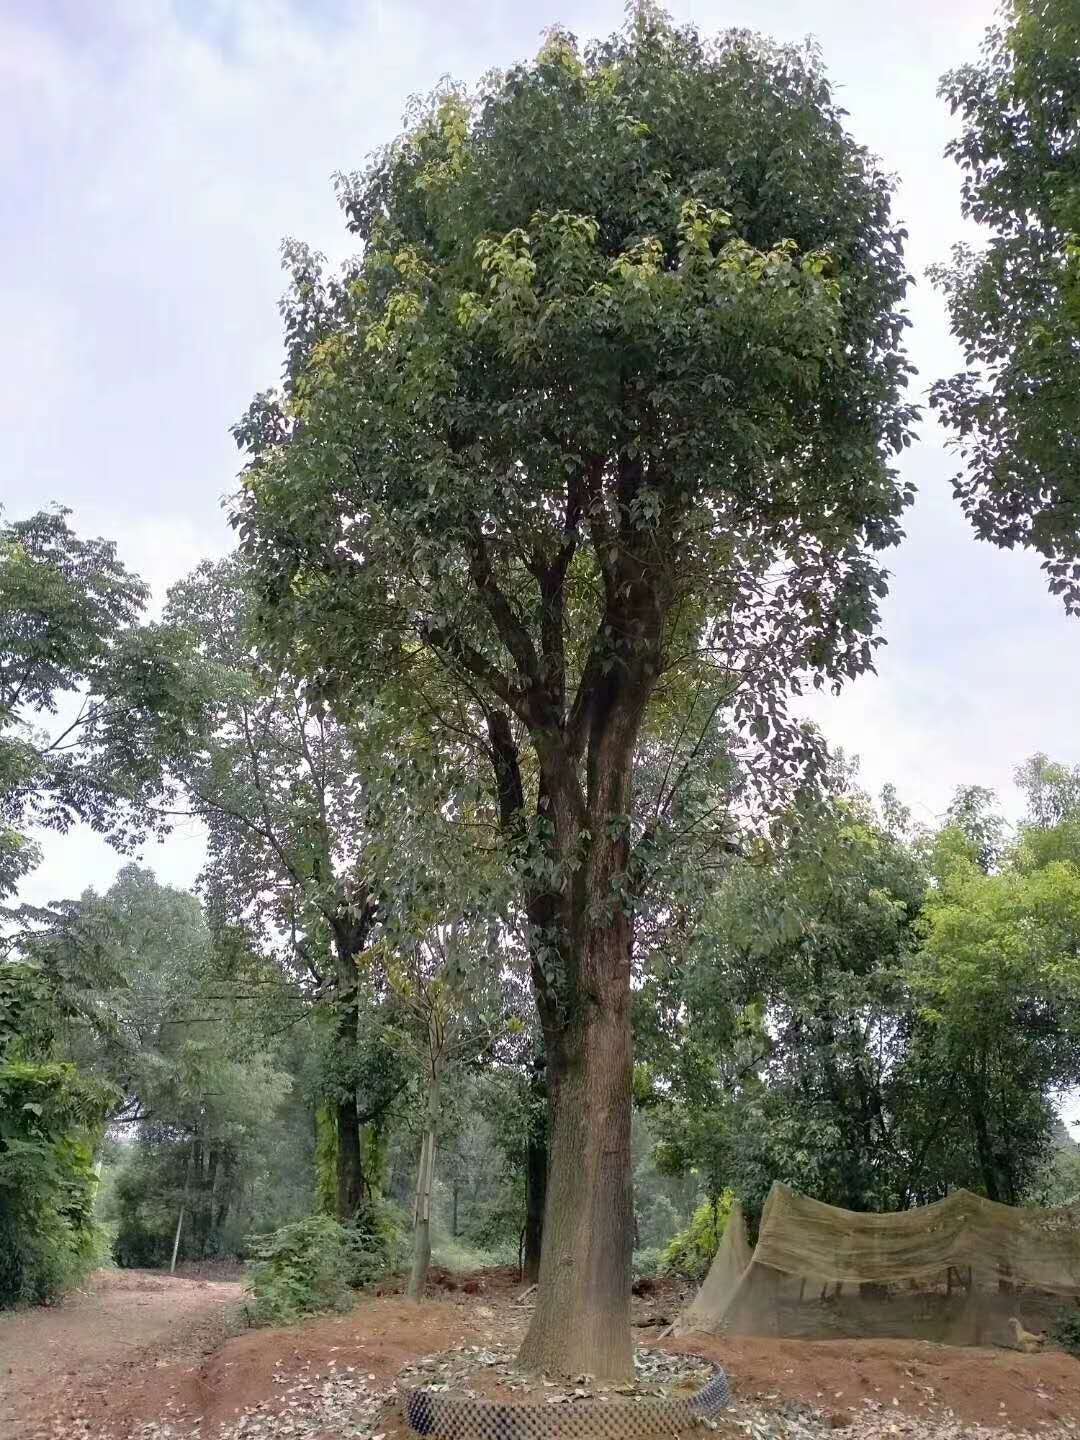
x: 306, y: 1268
x: 51, y: 1118
x: 90, y: 698
x: 1014, y: 304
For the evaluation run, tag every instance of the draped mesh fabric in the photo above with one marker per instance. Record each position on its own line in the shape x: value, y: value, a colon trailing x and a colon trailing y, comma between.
x: 954, y: 1271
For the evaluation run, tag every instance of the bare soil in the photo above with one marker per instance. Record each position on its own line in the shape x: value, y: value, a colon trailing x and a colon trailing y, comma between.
x: 144, y: 1349
x: 913, y: 1377
x: 65, y: 1357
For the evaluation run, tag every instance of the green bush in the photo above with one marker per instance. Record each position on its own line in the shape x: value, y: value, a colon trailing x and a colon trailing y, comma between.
x: 379, y: 1240
x: 691, y: 1251
x: 1065, y: 1331
x: 459, y: 1257
x: 305, y: 1268
x: 49, y: 1115
x: 648, y: 1262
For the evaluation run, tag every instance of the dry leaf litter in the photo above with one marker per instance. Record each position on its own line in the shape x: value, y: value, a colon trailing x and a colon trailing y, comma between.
x: 344, y: 1401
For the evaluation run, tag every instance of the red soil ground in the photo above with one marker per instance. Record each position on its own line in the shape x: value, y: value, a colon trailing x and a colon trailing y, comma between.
x: 143, y: 1347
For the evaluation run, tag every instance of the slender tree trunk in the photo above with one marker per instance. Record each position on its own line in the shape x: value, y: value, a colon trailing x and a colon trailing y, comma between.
x: 425, y: 1185
x: 984, y: 1148
x: 582, y: 1315
x: 183, y: 1207
x: 350, y: 1154
x: 454, y: 1213
x: 206, y: 1217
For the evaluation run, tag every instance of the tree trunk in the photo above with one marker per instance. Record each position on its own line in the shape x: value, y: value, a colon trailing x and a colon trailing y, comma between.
x: 350, y: 1161
x: 582, y: 1316
x: 206, y: 1216
x: 425, y: 1184
x: 183, y: 1207
x: 581, y: 1322
x: 454, y: 1213
x: 350, y: 937
x: 984, y: 1147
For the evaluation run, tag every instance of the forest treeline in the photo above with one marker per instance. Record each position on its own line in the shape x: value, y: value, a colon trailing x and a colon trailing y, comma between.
x: 873, y: 1011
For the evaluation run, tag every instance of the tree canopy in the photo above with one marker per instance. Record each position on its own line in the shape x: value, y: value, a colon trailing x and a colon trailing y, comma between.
x: 1014, y: 304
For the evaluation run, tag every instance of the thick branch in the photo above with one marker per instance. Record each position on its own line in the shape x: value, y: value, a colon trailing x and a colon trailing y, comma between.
x: 470, y: 659
x: 506, y: 763
x: 512, y: 632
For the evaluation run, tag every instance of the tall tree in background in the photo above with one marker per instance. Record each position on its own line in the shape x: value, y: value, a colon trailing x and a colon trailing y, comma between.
x: 1014, y: 305
x: 612, y: 391
x: 998, y: 980
x: 784, y: 1045
x: 280, y: 784
x: 328, y: 830
x: 449, y: 986
x: 138, y: 1005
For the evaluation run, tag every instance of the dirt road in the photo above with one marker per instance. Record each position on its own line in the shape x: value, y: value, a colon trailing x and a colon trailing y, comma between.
x: 126, y: 1321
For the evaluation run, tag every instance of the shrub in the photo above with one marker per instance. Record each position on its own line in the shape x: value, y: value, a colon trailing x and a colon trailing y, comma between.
x: 691, y: 1251
x: 48, y: 1239
x: 305, y: 1268
x: 460, y: 1257
x: 379, y: 1240
x: 648, y: 1262
x: 1065, y: 1330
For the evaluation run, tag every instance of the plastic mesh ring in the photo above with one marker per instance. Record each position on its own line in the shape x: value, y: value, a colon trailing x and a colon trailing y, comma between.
x: 452, y: 1417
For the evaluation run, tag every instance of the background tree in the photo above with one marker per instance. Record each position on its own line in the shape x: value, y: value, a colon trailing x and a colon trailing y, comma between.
x: 90, y: 697
x: 788, y: 1033
x: 607, y: 391
x: 1014, y: 305
x: 140, y: 1006
x: 280, y: 785
x: 444, y: 988
x: 999, y: 977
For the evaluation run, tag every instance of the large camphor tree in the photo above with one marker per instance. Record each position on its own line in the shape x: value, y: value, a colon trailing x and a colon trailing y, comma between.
x: 611, y: 393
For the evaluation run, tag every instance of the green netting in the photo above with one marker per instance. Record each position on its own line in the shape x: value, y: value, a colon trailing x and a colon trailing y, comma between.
x: 953, y: 1271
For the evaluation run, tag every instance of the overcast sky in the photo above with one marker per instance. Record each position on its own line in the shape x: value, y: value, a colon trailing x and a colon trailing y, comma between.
x: 154, y: 154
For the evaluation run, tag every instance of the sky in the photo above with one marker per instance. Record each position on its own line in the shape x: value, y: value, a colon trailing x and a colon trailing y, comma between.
x: 155, y: 153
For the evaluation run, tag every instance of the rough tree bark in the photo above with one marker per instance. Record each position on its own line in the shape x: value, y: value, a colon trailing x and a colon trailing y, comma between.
x: 583, y: 1301
x: 582, y: 1315
x: 585, y: 756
